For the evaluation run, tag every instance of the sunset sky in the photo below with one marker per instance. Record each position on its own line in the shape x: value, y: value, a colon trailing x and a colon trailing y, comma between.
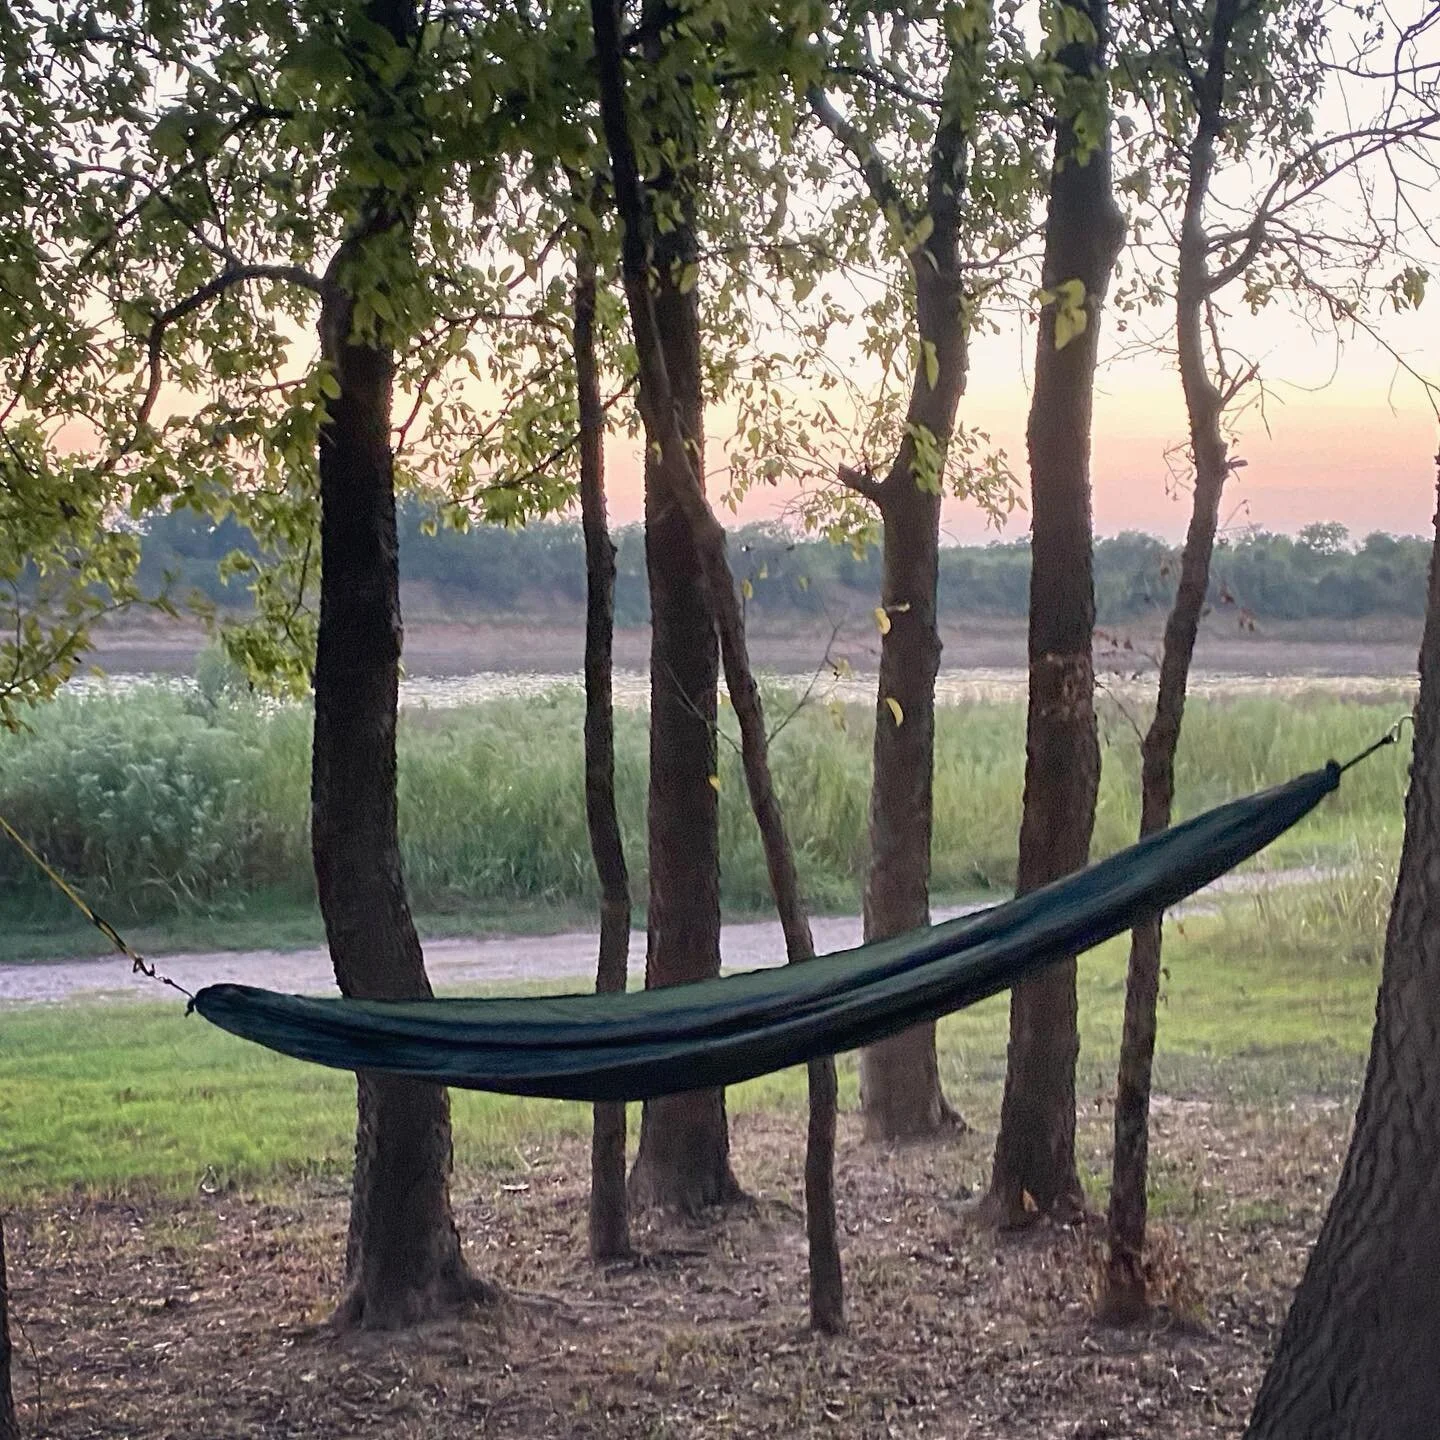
x: 1345, y: 435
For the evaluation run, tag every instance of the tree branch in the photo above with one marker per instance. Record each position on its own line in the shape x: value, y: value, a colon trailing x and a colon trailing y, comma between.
x: 862, y: 482
x: 883, y: 80
x: 1367, y: 141
x: 873, y: 170
x: 226, y: 280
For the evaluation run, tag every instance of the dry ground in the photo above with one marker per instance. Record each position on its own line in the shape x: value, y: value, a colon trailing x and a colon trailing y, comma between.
x: 1376, y: 646
x: 205, y: 1317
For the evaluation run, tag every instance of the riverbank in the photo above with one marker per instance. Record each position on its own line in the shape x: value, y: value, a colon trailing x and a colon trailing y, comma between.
x: 437, y: 644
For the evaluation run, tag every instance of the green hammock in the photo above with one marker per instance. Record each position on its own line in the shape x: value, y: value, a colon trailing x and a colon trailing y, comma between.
x: 639, y: 1045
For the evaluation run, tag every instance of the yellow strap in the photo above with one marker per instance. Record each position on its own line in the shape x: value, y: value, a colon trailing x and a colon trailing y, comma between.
x: 138, y: 964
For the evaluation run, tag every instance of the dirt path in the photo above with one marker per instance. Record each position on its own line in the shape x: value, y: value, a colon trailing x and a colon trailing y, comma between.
x: 465, y: 963
x: 452, y: 963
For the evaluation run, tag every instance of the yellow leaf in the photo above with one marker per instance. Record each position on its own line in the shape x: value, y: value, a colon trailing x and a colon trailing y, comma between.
x: 924, y: 229
x: 715, y: 783
x: 747, y: 589
x: 1069, y: 324
x: 895, y: 710
x: 882, y: 620
x: 932, y: 362
x: 1071, y: 317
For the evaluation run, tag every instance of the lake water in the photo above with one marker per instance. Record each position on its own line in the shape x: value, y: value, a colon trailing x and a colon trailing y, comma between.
x: 953, y: 687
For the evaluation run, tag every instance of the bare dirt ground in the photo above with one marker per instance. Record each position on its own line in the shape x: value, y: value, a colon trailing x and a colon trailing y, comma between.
x: 205, y: 1318
x: 1376, y: 647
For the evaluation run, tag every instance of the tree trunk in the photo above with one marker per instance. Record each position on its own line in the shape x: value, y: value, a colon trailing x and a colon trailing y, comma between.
x: 1034, y: 1168
x: 9, y: 1425
x: 404, y: 1262
x: 609, y: 1208
x: 683, y: 1160
x: 1357, y: 1354
x: 677, y: 481
x: 899, y: 1077
x: 1125, y: 1297
x: 827, y: 1296
x: 684, y: 1157
x: 404, y: 1258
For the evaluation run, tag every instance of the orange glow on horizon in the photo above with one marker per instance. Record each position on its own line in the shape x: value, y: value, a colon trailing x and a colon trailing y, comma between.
x: 1344, y: 437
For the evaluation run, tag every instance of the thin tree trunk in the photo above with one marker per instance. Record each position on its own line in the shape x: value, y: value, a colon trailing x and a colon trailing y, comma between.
x: 1125, y: 1298
x: 900, y: 1077
x: 9, y: 1424
x: 404, y: 1260
x: 677, y: 471
x: 609, y: 1207
x: 1034, y: 1167
x: 683, y: 1160
x: 1357, y: 1356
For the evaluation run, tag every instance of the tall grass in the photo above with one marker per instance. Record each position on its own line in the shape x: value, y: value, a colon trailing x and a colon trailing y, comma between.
x: 161, y: 805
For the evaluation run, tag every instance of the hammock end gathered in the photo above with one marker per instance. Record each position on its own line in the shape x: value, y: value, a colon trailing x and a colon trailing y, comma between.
x: 1390, y: 737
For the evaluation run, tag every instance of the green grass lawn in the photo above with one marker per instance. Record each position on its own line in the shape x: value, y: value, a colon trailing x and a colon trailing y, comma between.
x: 1267, y: 1001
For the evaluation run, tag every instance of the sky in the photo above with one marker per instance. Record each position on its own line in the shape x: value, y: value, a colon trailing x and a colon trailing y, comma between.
x: 1343, y: 434
x: 1340, y: 433
x: 1335, y: 431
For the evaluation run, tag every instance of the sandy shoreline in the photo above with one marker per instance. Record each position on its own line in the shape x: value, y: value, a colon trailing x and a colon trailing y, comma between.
x: 1379, y: 647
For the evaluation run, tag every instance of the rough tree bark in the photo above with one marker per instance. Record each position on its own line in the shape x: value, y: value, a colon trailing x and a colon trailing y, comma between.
x: 683, y: 1161
x: 1034, y: 1166
x: 404, y: 1261
x: 609, y: 1208
x: 9, y: 1424
x: 1357, y: 1355
x: 1124, y: 1298
x: 899, y: 1078
x: 900, y: 1090
x: 677, y: 471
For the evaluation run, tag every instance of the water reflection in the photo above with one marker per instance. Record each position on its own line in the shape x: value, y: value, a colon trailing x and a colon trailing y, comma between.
x: 953, y: 687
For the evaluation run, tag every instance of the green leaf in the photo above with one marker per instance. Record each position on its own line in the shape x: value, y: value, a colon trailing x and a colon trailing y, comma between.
x: 171, y: 135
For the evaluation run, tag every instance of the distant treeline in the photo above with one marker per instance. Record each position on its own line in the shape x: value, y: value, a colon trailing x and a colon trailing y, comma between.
x: 1319, y: 574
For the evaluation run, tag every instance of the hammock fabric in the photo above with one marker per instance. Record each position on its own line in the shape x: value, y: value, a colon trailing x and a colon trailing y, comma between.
x: 635, y: 1046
